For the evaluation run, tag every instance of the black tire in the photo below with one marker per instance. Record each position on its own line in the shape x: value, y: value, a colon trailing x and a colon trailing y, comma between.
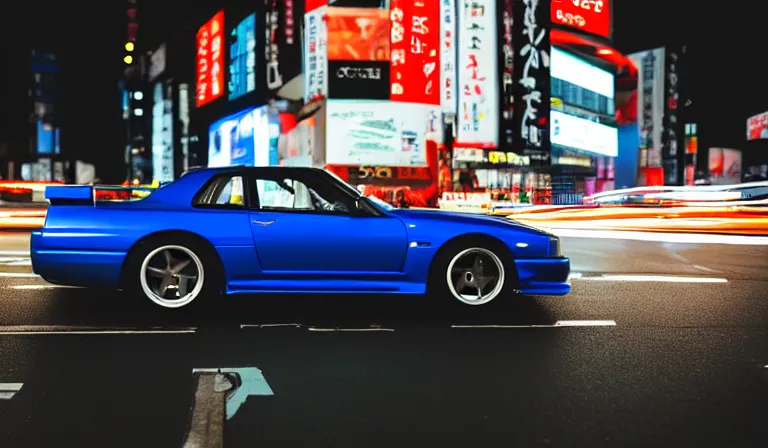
x: 213, y: 272
x: 438, y: 287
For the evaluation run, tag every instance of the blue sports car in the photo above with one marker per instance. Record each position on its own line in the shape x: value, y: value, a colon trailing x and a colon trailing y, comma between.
x: 285, y: 230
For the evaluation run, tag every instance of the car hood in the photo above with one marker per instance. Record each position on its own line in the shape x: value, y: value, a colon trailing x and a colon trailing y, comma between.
x: 464, y: 218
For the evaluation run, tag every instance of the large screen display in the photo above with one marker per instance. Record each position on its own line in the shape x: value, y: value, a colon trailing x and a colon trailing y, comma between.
x: 358, y: 34
x: 757, y: 127
x: 242, y: 58
x: 358, y: 53
x: 478, y: 112
x: 240, y: 139
x: 210, y: 60
x: 589, y: 16
x: 414, y: 55
x: 576, y: 71
x: 379, y: 133
x: 45, y: 144
x: 578, y: 133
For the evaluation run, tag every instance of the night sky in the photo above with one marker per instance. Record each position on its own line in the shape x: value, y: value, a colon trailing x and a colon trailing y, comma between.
x: 727, y: 45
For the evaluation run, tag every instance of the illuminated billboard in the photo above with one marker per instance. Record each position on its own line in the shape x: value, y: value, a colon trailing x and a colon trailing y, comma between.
x: 162, y: 133
x: 580, y: 73
x: 242, y: 58
x: 579, y: 133
x: 724, y: 166
x: 282, y: 30
x: 757, y: 127
x: 650, y: 104
x: 588, y: 16
x: 379, y: 133
x: 415, y: 51
x: 478, y: 110
x: 315, y: 54
x: 448, y: 56
x: 210, y: 60
x: 358, y: 53
x: 240, y: 139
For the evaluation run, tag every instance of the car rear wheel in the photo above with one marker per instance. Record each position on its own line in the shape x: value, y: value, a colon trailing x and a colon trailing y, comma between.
x: 172, y: 274
x: 474, y: 274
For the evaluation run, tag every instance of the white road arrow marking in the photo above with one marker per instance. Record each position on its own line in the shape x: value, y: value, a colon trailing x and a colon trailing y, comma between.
x: 8, y: 390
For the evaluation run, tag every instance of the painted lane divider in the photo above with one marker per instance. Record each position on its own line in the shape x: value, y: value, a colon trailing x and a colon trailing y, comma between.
x: 372, y: 328
x: 20, y: 330
x: 8, y: 390
x: 359, y: 330
x: 19, y: 275
x: 646, y: 278
x: 18, y: 253
x: 220, y: 393
x: 558, y: 324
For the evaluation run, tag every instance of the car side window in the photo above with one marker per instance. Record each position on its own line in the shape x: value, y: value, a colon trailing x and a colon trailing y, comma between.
x: 287, y: 194
x: 226, y: 191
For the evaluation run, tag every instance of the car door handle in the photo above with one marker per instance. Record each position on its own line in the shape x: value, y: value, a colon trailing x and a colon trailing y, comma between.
x: 264, y: 223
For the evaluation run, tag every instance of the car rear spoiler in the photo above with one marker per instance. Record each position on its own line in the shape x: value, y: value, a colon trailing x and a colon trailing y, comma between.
x: 70, y: 195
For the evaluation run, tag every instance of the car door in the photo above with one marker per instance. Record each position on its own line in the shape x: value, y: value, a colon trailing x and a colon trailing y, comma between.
x: 302, y: 223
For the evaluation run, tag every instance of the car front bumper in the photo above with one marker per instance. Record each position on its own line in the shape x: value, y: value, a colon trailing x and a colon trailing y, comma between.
x: 544, y: 276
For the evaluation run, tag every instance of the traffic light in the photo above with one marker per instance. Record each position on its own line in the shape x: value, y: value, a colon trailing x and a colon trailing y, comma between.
x: 128, y: 59
x: 129, y: 46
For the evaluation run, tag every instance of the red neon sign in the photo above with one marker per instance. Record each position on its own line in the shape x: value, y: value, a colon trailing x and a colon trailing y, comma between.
x: 589, y: 16
x: 415, y: 51
x: 210, y: 60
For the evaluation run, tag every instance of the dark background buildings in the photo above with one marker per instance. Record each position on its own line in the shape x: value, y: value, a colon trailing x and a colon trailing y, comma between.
x: 726, y: 43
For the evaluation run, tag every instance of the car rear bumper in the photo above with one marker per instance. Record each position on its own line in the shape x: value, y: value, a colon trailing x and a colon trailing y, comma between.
x: 76, y: 267
x: 544, y: 276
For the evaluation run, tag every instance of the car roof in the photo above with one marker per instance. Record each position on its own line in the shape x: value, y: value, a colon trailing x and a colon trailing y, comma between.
x: 181, y: 191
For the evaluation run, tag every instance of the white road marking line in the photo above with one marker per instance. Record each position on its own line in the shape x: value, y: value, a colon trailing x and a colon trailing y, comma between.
x: 245, y: 326
x: 22, y: 253
x: 558, y: 324
x: 43, y: 287
x: 654, y: 278
x: 585, y: 323
x: 20, y: 330
x: 328, y: 330
x: 703, y: 268
x: 26, y: 262
x: 8, y: 390
x: 19, y: 275
x: 9, y: 259
x: 687, y: 238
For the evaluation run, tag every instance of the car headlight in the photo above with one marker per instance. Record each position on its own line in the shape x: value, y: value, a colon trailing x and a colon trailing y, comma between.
x: 554, y: 247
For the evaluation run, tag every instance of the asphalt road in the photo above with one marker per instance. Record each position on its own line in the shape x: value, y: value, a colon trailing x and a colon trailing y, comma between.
x: 637, y: 360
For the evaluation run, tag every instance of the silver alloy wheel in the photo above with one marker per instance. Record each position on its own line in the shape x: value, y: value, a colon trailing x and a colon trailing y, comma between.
x: 475, y: 276
x: 172, y: 276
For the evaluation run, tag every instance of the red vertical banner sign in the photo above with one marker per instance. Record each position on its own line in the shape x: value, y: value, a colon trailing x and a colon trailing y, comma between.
x: 415, y: 51
x: 210, y: 60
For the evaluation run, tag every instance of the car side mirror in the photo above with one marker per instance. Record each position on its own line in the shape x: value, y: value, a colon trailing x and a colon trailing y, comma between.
x: 360, y: 207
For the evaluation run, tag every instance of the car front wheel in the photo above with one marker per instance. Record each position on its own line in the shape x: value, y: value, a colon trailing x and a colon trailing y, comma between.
x: 474, y: 274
